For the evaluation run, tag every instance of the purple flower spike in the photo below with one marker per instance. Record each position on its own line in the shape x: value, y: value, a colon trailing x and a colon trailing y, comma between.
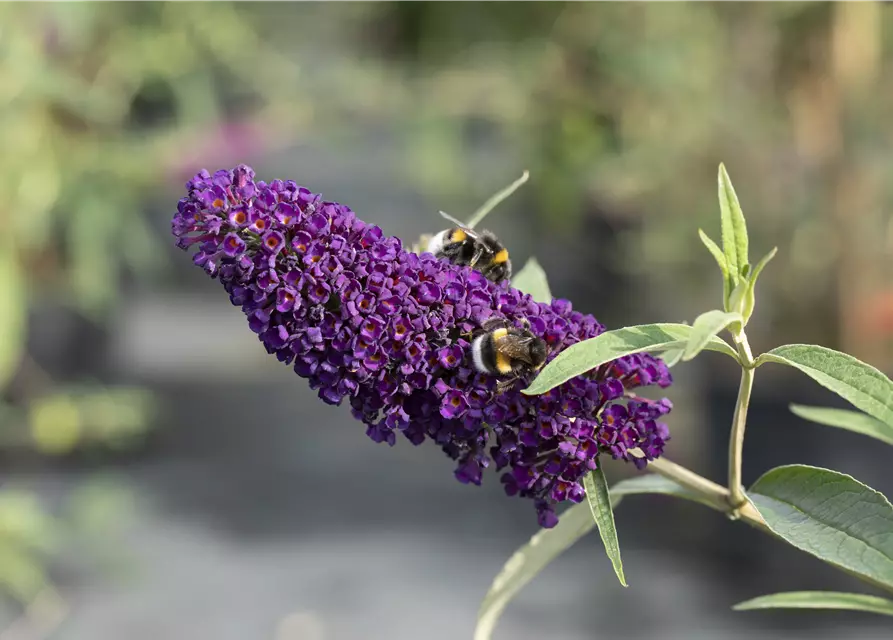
x: 367, y: 321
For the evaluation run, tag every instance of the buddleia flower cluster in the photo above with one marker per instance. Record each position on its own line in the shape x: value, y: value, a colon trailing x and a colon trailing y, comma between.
x: 389, y: 331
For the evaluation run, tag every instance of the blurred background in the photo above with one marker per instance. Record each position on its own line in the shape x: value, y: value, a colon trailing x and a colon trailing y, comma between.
x: 162, y: 477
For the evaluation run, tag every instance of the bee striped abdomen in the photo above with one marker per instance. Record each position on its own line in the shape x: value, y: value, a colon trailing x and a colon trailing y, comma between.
x: 501, y: 362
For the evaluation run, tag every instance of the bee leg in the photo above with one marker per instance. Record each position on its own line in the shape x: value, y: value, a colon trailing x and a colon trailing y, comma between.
x: 525, y: 323
x: 478, y: 252
x: 503, y: 385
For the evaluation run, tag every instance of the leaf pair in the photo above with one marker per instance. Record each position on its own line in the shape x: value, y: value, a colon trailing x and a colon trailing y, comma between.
x: 835, y: 518
x: 739, y: 280
x: 853, y: 380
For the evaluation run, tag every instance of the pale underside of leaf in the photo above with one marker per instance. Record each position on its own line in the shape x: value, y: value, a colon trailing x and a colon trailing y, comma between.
x: 854, y: 421
x: 548, y: 544
x: 829, y: 515
x: 600, y: 504
x: 478, y: 216
x: 528, y: 561
x: 532, y: 279
x: 853, y: 380
x: 761, y: 265
x: 717, y: 254
x: 594, y: 352
x: 671, y: 357
x: 819, y: 600
x: 706, y: 327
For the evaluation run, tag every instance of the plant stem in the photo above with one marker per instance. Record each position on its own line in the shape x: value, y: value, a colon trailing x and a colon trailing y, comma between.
x: 737, y: 499
x: 716, y: 496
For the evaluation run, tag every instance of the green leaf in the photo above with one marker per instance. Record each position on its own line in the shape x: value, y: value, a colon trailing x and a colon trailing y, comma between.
x: 600, y: 503
x: 819, y: 600
x: 830, y: 515
x: 846, y: 419
x: 717, y: 254
x: 761, y: 265
x: 734, y: 229
x: 861, y: 384
x: 13, y: 313
x: 588, y: 354
x: 705, y: 327
x: 750, y: 286
x: 548, y: 544
x: 532, y: 279
x: 494, y: 200
x: 528, y: 561
x: 671, y: 357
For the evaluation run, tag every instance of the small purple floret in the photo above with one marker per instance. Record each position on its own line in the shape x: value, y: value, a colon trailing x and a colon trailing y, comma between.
x: 366, y: 321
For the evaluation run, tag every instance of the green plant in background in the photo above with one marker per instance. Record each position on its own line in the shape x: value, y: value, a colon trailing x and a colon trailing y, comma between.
x: 823, y: 512
x: 600, y: 102
x: 96, y: 102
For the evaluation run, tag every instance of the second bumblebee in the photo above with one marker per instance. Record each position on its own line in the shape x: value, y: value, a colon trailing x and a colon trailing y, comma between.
x: 468, y: 248
x: 505, y: 351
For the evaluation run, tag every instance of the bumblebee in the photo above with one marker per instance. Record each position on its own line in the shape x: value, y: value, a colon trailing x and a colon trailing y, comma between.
x: 468, y: 248
x: 508, y: 352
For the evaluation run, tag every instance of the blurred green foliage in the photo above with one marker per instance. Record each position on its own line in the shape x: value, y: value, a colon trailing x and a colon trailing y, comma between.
x: 626, y: 108
x: 100, y: 106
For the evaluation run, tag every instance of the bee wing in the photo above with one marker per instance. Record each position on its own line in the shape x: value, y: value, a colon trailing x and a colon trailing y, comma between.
x: 516, y: 348
x: 460, y: 224
x: 456, y: 222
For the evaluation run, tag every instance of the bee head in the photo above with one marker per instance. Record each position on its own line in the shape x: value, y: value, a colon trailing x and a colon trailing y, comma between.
x: 538, y: 352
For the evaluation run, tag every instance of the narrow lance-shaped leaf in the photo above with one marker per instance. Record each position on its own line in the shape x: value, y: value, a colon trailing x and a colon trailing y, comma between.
x: 717, y: 254
x: 845, y: 419
x: 861, y: 384
x: 588, y: 354
x: 734, y: 229
x: 750, y: 286
x: 829, y: 515
x: 597, y: 496
x: 532, y: 279
x: 671, y: 357
x: 527, y: 562
x: 819, y: 600
x: 548, y: 544
x: 757, y: 270
x: 705, y: 327
x: 494, y: 200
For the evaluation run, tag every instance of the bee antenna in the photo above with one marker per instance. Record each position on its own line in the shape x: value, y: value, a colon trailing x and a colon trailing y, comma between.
x: 458, y: 223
